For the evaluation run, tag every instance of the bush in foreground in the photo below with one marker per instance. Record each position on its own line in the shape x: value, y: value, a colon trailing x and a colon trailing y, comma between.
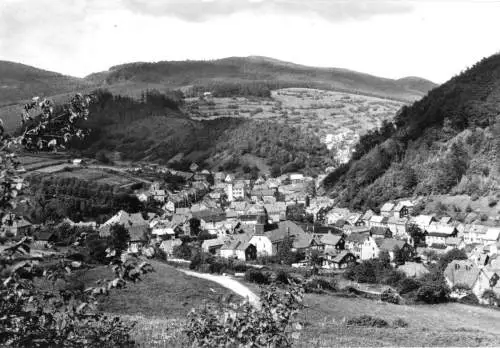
x: 367, y: 321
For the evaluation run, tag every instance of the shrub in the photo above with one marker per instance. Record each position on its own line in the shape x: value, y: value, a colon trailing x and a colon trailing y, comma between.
x: 319, y: 285
x: 400, y: 323
x: 282, y: 277
x: 408, y: 285
x: 492, y: 202
x: 241, y: 325
x: 255, y: 276
x: 390, y: 296
x: 367, y: 321
x: 433, y: 293
x: 470, y: 299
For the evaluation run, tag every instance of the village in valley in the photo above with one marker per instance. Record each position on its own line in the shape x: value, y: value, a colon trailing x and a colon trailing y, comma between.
x: 261, y: 222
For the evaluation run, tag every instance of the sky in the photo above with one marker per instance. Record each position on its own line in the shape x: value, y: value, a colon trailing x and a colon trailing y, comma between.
x: 426, y: 38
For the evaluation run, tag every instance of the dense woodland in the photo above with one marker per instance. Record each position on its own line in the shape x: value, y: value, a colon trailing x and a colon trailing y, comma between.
x: 153, y: 128
x: 56, y: 198
x: 446, y: 142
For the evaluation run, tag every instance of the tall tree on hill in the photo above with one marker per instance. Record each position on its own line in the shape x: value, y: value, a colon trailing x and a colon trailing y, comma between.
x: 119, y: 238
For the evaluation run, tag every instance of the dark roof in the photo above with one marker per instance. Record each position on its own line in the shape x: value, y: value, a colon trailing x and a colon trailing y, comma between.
x: 357, y: 237
x: 45, y: 235
x: 283, y: 229
x: 379, y: 230
x: 388, y: 244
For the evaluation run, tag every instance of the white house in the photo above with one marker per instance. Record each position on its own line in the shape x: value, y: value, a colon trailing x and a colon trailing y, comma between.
x: 238, y: 246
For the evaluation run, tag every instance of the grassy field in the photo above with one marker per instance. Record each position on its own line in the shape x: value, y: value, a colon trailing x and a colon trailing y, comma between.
x: 158, y: 304
x: 429, y: 325
x: 95, y: 175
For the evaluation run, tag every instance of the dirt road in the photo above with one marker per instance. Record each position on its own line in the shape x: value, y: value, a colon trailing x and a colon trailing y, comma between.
x: 228, y: 283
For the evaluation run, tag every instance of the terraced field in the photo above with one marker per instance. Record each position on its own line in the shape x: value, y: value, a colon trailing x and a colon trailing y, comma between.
x: 337, y: 118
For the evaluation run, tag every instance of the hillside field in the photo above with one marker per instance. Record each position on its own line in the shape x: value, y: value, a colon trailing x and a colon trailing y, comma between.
x: 339, y: 119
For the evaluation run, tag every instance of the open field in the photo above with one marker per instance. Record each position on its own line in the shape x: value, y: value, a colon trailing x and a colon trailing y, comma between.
x: 337, y: 118
x: 95, y: 175
x: 160, y: 302
x: 449, y: 324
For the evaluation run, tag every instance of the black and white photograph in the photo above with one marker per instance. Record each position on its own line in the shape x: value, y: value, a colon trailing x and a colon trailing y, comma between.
x: 249, y: 173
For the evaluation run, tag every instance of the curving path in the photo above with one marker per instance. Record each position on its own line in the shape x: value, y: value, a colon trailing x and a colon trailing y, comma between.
x: 228, y: 283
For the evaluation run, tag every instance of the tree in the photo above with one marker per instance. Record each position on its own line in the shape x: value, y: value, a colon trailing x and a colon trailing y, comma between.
x: 285, y: 253
x: 194, y: 226
x: 454, y: 254
x: 384, y: 257
x: 119, y: 238
x: 416, y: 234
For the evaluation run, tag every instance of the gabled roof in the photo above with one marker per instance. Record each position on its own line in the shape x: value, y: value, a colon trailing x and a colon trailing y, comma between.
x: 387, y: 207
x: 440, y: 230
x: 379, y: 231
x: 282, y: 230
x: 379, y: 219
x: 354, y: 218
x: 492, y: 234
x: 357, y: 237
x: 237, y: 242
x: 210, y: 243
x: 341, y: 256
x: 368, y: 214
x: 330, y: 239
x: 422, y: 220
x: 445, y: 220
x: 388, y: 244
x: 126, y: 219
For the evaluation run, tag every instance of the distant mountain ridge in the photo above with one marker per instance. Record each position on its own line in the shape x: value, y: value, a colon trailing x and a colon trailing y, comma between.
x: 20, y: 81
x: 176, y: 74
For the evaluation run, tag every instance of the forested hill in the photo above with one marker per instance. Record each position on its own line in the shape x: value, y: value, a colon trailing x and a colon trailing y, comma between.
x: 250, y: 70
x: 19, y: 81
x: 446, y: 142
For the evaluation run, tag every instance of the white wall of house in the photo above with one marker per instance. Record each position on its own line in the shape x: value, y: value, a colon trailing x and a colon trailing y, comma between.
x: 369, y: 250
x: 229, y: 253
x: 263, y: 245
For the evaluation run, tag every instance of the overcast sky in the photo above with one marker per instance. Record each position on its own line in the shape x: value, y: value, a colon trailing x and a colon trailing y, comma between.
x: 426, y: 38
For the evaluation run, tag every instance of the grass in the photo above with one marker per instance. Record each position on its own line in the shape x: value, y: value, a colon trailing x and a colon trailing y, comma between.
x: 158, y: 304
x: 429, y: 325
x: 95, y: 175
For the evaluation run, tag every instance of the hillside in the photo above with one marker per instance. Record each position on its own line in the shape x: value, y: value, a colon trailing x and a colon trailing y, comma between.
x: 236, y: 71
x: 445, y: 143
x: 19, y: 81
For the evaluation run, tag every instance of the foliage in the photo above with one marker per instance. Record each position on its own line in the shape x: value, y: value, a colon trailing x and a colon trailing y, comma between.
x: 416, y: 234
x: 119, y: 238
x: 255, y: 276
x: 319, y: 285
x: 446, y: 138
x: 183, y: 251
x: 454, y: 254
x: 367, y: 321
x: 390, y: 296
x: 400, y: 323
x: 272, y: 325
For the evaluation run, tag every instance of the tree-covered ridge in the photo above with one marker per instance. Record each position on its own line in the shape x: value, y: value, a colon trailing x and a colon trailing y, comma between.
x: 285, y: 148
x: 443, y: 143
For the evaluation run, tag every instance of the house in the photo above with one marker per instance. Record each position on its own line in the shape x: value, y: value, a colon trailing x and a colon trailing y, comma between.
x: 135, y: 224
x: 44, y: 239
x: 219, y: 177
x: 169, y: 206
x: 238, y: 246
x: 337, y: 214
x: 398, y: 227
x: 15, y: 225
x: 159, y: 195
x: 461, y: 272
x: 332, y: 242
x: 403, y: 209
x: 378, y: 221
x: 194, y: 167
x: 355, y: 241
x: 387, y: 209
x: 213, y: 246
x: 422, y: 221
x: 389, y: 245
x: 269, y: 242
x: 169, y: 245
x: 369, y: 249
x: 348, y: 229
x: 338, y: 260
x: 143, y: 196
x: 437, y: 234
x: 413, y: 269
x: 355, y: 219
x: 163, y: 229
x: 276, y: 211
x: 297, y: 178
x: 380, y: 232
x: 367, y: 216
